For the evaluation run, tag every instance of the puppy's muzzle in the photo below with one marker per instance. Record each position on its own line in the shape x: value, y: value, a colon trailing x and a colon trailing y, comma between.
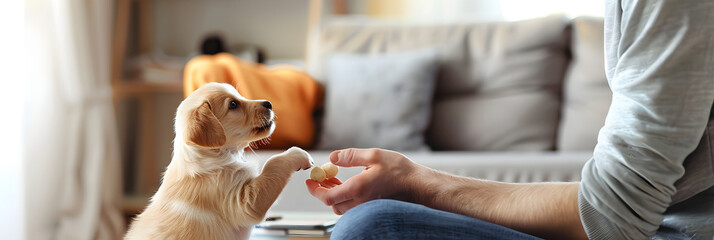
x: 268, y: 105
x: 267, y: 112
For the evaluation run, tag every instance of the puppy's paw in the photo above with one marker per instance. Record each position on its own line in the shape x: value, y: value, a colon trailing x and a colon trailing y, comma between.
x: 301, y: 157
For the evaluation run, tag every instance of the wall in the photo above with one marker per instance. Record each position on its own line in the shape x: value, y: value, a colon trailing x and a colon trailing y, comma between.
x: 279, y: 26
x: 474, y: 10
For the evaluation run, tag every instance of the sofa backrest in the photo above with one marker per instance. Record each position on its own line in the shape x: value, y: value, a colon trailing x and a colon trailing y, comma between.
x: 500, y: 83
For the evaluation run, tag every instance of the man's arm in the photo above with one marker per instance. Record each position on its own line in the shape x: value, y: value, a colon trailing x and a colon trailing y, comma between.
x: 660, y: 63
x: 547, y: 210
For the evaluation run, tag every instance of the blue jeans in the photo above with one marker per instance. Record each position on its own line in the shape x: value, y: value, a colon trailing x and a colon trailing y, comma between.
x: 391, y: 219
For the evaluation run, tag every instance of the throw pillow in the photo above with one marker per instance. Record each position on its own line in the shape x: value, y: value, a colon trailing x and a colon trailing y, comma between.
x: 294, y: 95
x: 379, y: 100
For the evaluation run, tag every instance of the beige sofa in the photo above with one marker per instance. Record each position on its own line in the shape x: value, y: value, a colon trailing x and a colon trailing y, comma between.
x: 514, y: 101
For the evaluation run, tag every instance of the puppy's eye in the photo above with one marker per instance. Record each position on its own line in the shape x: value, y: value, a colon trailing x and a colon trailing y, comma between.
x: 233, y: 105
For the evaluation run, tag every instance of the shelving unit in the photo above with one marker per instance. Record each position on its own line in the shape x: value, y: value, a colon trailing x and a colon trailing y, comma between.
x: 131, y: 91
x: 136, y: 87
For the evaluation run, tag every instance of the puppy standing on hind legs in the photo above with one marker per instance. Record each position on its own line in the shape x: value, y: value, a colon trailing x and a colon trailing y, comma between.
x: 209, y: 191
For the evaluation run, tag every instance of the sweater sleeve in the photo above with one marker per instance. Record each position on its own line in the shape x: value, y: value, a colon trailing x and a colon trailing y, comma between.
x: 661, y: 71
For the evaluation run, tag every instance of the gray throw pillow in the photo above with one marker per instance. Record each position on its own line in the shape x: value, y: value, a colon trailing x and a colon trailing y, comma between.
x: 378, y: 100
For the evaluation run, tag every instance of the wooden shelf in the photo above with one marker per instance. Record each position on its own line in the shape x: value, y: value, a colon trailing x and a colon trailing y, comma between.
x: 137, y: 13
x: 123, y: 87
x: 134, y: 204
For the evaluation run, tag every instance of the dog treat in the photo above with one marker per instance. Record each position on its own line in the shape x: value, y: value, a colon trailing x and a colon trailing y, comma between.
x: 321, y: 173
x: 317, y: 174
x: 330, y: 169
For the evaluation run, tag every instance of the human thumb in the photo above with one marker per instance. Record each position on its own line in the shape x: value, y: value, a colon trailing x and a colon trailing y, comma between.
x: 353, y: 157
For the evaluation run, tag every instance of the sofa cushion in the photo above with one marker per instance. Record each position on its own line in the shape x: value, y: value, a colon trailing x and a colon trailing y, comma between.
x: 511, y: 98
x: 587, y: 95
x: 499, y: 83
x: 378, y: 100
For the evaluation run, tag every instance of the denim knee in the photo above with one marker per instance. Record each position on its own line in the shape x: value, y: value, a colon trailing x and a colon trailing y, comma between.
x: 379, y: 207
x: 369, y: 217
x: 390, y: 219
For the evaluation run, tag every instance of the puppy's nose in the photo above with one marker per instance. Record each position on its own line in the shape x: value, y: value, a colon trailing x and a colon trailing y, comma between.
x: 268, y: 105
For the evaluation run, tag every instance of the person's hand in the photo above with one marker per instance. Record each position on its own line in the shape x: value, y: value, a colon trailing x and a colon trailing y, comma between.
x: 387, y: 174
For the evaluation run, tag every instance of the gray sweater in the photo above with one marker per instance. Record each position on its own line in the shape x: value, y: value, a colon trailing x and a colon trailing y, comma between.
x: 652, y: 170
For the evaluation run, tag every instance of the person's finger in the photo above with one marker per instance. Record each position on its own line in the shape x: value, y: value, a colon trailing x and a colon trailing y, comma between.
x: 334, y: 180
x: 353, y: 157
x: 346, y: 191
x: 316, y: 190
x: 342, y: 208
x: 328, y: 184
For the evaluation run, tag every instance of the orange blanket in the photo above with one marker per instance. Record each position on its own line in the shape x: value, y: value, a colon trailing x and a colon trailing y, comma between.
x: 294, y: 95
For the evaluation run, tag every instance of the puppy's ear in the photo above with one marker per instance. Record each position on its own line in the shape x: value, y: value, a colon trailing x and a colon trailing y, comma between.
x: 204, y: 129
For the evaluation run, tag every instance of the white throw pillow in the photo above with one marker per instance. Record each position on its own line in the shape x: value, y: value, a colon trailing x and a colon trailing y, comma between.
x: 381, y: 100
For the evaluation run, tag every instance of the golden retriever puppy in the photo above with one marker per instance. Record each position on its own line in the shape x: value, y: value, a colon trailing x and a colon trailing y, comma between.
x: 209, y: 191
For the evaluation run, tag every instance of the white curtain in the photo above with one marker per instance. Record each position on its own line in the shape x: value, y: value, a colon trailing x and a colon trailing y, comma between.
x: 71, y: 146
x: 12, y: 220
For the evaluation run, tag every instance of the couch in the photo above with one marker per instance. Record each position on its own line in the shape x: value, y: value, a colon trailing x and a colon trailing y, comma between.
x: 513, y: 101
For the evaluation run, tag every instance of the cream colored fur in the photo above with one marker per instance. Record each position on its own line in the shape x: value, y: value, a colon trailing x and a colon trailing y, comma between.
x: 209, y: 191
